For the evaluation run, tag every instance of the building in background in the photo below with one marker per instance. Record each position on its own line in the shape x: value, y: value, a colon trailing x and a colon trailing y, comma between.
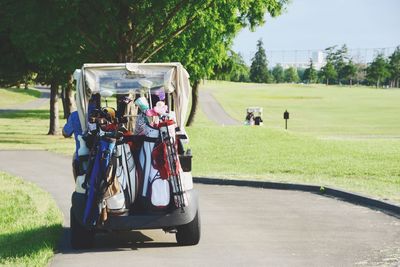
x: 301, y: 58
x: 302, y: 62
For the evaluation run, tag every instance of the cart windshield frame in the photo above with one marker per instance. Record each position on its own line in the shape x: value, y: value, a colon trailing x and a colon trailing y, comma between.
x: 127, y: 78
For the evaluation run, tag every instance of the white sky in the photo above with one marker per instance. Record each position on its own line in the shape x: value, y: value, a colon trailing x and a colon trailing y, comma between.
x: 317, y: 24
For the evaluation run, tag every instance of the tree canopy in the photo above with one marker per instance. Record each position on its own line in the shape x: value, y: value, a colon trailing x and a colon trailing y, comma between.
x: 233, y: 68
x: 278, y: 74
x: 328, y: 72
x: 394, y: 67
x: 291, y: 75
x: 378, y: 70
x: 349, y: 72
x: 310, y: 74
x: 58, y: 36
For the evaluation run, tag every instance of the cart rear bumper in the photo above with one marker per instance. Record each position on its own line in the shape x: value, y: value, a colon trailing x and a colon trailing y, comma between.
x: 156, y: 220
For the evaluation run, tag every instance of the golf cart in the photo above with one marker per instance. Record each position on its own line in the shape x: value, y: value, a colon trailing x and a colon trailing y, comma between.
x: 134, y: 171
x: 254, y: 116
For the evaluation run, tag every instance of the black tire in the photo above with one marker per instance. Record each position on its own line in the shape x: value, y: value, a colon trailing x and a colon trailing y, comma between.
x: 189, y: 234
x: 81, y: 237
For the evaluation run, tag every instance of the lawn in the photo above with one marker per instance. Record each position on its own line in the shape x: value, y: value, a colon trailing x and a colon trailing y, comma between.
x: 27, y: 129
x: 370, y: 167
x: 30, y: 223
x: 318, y: 110
x: 362, y: 159
x: 338, y: 136
x: 13, y: 96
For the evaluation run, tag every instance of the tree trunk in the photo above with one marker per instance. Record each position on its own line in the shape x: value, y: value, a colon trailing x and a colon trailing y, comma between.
x: 69, y: 98
x: 327, y: 81
x: 54, y: 122
x: 63, y: 101
x: 195, y: 98
x: 351, y: 82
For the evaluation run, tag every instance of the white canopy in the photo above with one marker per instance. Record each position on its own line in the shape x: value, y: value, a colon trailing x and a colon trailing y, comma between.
x: 122, y: 78
x: 254, y: 109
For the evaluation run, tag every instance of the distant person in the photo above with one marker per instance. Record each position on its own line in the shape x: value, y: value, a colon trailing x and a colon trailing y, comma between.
x: 249, y: 118
x: 258, y: 120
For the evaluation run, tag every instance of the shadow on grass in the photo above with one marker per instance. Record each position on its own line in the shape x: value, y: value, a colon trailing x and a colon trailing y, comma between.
x: 11, y: 133
x: 24, y: 114
x: 23, y: 142
x: 114, y: 241
x: 27, y: 243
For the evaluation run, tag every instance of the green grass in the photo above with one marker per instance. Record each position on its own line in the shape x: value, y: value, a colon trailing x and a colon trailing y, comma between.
x: 362, y: 159
x: 318, y: 110
x: 258, y: 153
x: 30, y: 223
x: 28, y: 130
x: 14, y: 96
x: 338, y: 136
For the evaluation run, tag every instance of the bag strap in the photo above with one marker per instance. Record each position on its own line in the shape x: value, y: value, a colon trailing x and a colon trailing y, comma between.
x: 114, y: 165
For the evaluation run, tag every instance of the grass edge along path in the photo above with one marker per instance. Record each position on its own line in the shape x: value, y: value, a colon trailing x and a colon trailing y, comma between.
x: 369, y: 167
x: 30, y: 223
x: 10, y: 97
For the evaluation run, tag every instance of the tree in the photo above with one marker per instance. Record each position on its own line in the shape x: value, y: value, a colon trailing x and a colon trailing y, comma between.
x: 60, y: 35
x: 328, y: 72
x: 233, y: 68
x: 300, y: 73
x: 360, y: 73
x: 48, y: 41
x: 259, y: 65
x: 14, y: 67
x: 349, y: 72
x: 291, y: 75
x: 240, y: 71
x: 310, y: 74
x: 378, y: 70
x: 394, y: 67
x: 216, y: 29
x: 278, y: 74
x: 341, y: 62
x: 338, y: 58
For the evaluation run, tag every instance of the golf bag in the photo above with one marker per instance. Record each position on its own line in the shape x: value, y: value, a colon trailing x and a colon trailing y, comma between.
x: 155, y: 189
x: 95, y: 180
x: 167, y: 132
x: 113, y: 198
x: 126, y: 173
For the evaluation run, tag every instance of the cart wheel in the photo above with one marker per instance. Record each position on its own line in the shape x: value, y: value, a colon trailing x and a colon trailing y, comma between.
x: 189, y: 234
x: 81, y: 238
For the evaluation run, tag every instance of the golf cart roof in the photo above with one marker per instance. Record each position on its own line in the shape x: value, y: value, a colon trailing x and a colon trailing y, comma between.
x: 125, y: 78
x: 254, y: 109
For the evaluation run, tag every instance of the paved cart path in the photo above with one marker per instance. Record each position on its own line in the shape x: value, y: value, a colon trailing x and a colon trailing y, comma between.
x: 34, y: 104
x: 240, y: 227
x: 41, y: 101
x: 213, y: 110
